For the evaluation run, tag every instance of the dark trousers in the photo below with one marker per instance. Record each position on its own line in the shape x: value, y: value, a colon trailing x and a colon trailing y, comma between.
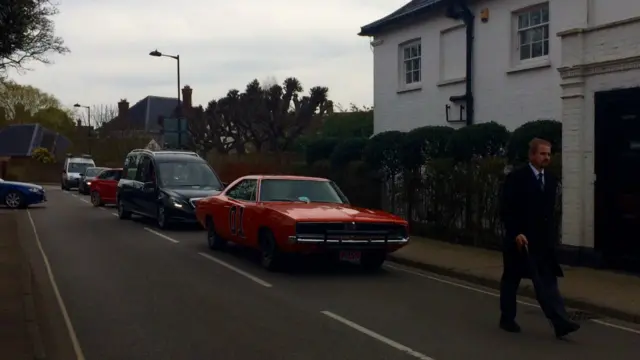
x: 548, y: 295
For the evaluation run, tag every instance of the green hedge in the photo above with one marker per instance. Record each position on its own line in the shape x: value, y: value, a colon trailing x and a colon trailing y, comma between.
x: 445, y: 181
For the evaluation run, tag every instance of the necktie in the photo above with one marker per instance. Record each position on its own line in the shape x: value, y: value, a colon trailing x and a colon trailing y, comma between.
x: 541, y: 181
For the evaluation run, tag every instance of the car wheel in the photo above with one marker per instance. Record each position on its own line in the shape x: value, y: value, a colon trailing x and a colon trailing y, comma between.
x: 123, y: 214
x: 214, y: 241
x: 95, y: 199
x: 14, y: 200
x: 270, y: 255
x: 372, y: 261
x: 161, y: 218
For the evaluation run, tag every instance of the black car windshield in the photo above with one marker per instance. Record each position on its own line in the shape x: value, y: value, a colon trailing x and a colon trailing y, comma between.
x: 301, y: 190
x: 78, y: 167
x: 94, y: 171
x: 188, y: 174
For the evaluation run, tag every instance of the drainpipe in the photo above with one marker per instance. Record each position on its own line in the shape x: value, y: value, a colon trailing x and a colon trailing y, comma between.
x: 459, y: 10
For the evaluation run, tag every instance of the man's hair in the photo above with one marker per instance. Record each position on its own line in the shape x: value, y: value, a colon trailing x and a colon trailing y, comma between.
x: 536, y: 143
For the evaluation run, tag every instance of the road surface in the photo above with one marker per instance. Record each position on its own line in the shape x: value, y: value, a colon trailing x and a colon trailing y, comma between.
x: 130, y: 291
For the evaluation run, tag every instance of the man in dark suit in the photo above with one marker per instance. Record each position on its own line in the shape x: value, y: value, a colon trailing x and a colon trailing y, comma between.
x: 528, y: 203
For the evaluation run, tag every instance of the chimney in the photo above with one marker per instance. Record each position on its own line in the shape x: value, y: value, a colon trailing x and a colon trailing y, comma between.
x: 123, y: 108
x: 186, y: 97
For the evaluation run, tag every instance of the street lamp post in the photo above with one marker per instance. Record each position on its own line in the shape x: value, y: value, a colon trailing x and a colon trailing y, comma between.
x: 157, y: 53
x: 88, y: 112
x: 88, y: 122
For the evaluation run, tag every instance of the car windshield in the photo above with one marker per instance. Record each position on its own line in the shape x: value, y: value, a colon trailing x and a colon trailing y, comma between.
x: 301, y: 190
x: 78, y: 167
x: 93, y: 171
x: 188, y: 174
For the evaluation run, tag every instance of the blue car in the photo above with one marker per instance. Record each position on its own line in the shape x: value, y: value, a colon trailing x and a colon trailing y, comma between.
x: 18, y: 195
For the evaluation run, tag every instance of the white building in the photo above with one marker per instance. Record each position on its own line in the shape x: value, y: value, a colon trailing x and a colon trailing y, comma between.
x: 531, y: 60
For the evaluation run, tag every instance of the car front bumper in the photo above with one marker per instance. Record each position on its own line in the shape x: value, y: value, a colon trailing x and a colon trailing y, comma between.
x: 72, y: 182
x: 34, y: 198
x: 319, y: 244
x: 184, y: 214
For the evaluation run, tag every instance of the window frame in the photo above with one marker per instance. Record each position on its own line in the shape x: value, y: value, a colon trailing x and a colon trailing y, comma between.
x: 131, y: 163
x: 519, y: 30
x: 253, y: 198
x: 404, y: 60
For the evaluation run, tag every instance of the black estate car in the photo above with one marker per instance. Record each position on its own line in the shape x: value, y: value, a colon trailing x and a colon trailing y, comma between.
x: 165, y: 185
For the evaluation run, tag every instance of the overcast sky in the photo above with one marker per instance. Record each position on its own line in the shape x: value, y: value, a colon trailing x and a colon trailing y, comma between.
x: 223, y: 44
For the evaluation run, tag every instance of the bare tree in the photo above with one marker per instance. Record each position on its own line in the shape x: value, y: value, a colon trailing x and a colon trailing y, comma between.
x: 100, y: 115
x: 269, y: 81
x: 27, y: 33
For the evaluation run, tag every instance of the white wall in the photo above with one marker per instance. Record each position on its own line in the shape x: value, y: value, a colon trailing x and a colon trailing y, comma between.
x: 504, y: 92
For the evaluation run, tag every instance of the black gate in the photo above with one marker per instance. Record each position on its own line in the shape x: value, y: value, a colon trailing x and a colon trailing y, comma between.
x: 617, y: 168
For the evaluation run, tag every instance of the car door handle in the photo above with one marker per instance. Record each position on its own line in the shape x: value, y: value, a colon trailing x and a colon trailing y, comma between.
x: 227, y: 206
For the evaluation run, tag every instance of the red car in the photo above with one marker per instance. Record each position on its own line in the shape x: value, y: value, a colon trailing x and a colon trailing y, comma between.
x: 294, y: 215
x: 103, y: 187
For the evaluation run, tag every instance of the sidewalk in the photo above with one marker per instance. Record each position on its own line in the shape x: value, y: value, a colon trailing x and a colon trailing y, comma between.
x: 596, y: 291
x: 19, y: 334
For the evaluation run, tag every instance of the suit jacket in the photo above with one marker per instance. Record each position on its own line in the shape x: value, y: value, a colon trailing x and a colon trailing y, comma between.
x: 527, y: 209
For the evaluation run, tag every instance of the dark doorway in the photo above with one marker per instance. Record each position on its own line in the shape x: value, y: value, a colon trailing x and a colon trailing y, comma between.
x: 617, y: 168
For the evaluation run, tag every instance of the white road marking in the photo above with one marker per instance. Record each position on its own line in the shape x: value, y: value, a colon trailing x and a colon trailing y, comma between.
x: 84, y: 200
x: 161, y: 235
x: 494, y: 294
x: 377, y: 336
x: 235, y: 269
x: 63, y: 309
x: 114, y: 214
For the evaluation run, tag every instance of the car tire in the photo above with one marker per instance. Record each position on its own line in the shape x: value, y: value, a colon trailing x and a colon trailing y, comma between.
x: 96, y: 200
x: 123, y: 214
x: 14, y: 200
x: 271, y: 258
x: 214, y: 241
x: 372, y: 261
x: 162, y: 221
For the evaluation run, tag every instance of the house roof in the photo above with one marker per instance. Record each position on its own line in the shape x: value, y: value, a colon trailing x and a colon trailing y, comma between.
x: 21, y: 139
x: 144, y: 114
x: 406, y: 13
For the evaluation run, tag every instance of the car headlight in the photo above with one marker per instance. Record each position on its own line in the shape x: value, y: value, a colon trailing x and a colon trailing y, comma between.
x: 88, y: 182
x: 175, y: 202
x: 34, y: 190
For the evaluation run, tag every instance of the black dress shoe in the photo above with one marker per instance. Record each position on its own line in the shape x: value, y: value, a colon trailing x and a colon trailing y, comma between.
x: 510, y: 326
x: 566, y: 328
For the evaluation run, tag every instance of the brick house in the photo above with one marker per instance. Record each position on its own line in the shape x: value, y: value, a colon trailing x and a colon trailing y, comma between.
x: 574, y: 61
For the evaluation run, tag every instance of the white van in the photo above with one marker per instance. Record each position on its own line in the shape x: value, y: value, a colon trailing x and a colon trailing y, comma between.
x: 73, y: 167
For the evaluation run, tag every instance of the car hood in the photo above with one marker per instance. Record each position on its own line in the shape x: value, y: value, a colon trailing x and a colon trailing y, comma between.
x: 332, y: 212
x: 21, y: 184
x: 189, y: 193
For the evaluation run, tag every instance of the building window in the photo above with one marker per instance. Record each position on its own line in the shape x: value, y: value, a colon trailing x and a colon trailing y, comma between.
x: 411, y: 63
x: 533, y: 32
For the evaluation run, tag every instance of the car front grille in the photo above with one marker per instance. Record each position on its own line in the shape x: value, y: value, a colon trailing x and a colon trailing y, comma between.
x: 374, y: 231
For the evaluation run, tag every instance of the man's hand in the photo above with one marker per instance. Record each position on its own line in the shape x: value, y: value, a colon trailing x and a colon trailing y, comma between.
x: 521, y: 241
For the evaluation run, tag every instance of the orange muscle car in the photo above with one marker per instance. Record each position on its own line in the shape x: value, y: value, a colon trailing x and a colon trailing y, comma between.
x: 294, y: 215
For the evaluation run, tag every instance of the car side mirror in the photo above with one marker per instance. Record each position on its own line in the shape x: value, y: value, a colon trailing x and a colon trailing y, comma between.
x: 81, y: 174
x: 224, y: 185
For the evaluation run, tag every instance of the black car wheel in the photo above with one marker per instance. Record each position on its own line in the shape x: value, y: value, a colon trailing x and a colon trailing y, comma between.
x: 214, y: 241
x: 14, y: 200
x: 270, y: 255
x: 123, y: 214
x: 96, y: 200
x: 372, y: 261
x: 161, y: 218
